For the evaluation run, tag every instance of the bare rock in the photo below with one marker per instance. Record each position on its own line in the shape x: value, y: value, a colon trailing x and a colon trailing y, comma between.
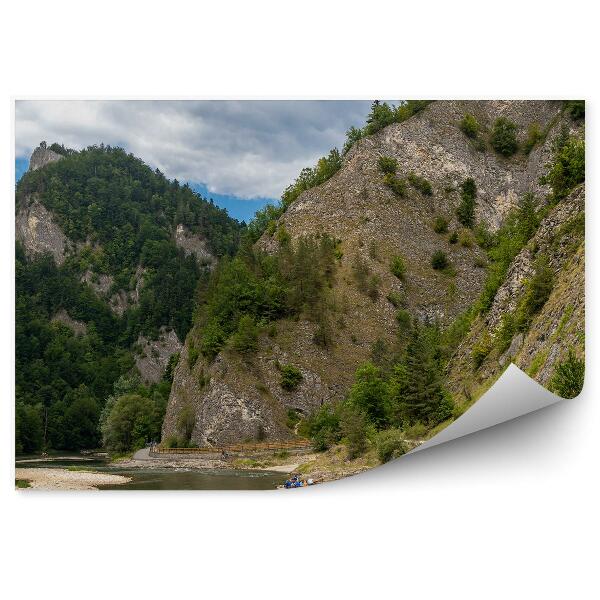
x: 153, y: 355
x: 42, y: 156
x: 37, y: 231
x: 62, y: 316
x: 193, y: 243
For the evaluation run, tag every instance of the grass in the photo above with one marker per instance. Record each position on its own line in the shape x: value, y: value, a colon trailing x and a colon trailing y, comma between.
x: 84, y: 469
x: 22, y: 484
x: 536, y: 364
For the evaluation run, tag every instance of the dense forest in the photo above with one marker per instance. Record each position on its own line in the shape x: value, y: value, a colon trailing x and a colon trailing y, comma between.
x: 120, y: 216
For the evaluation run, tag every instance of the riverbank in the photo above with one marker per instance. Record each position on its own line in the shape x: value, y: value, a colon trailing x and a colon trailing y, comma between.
x: 64, y: 479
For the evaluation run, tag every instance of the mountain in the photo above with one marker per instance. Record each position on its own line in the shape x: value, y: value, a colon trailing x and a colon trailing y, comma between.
x: 109, y: 254
x: 384, y: 278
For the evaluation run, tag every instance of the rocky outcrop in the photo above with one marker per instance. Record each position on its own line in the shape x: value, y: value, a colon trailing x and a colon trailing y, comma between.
x: 372, y: 226
x: 62, y: 316
x: 193, y: 243
x: 37, y: 231
x: 558, y: 327
x: 100, y: 283
x: 121, y: 300
x: 42, y: 156
x: 152, y: 356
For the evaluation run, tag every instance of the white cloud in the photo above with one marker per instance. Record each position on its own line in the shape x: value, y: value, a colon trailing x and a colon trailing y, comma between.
x: 244, y: 148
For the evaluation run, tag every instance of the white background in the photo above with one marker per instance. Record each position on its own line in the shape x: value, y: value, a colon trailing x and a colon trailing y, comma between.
x: 508, y: 513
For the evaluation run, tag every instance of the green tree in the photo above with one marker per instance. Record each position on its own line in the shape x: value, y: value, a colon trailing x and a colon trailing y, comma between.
x: 466, y: 209
x: 568, y: 377
x: 387, y: 164
x: 469, y: 126
x: 503, y: 137
x: 81, y: 420
x: 439, y: 260
x: 568, y: 167
x: 398, y: 267
x: 369, y: 394
x: 291, y: 377
x: 130, y: 424
x: 390, y: 444
x: 245, y: 339
x: 416, y: 388
x: 353, y: 425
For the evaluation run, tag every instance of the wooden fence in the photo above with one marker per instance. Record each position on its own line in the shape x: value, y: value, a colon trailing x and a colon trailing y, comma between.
x: 251, y: 447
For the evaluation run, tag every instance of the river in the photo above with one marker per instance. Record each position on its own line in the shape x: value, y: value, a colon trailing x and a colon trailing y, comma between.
x: 161, y: 478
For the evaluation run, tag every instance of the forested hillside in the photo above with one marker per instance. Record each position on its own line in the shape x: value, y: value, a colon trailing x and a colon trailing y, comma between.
x: 109, y: 254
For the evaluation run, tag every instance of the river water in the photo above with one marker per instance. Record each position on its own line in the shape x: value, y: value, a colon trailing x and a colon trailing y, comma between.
x: 162, y: 479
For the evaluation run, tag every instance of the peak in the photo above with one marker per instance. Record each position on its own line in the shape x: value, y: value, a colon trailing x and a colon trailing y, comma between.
x: 42, y: 156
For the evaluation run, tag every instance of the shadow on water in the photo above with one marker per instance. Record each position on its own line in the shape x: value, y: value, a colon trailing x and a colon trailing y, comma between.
x: 161, y: 479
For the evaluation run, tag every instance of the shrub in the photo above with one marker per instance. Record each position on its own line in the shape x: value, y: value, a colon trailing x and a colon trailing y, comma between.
x: 466, y: 209
x: 479, y: 262
x: 503, y: 138
x: 568, y: 167
x: 534, y: 136
x: 398, y: 186
x: 469, y: 126
x: 373, y: 287
x: 439, y: 260
x: 465, y: 238
x: 186, y: 420
x: 421, y: 184
x: 505, y: 332
x: 353, y: 135
x: 245, y: 339
x: 323, y: 428
x: 293, y: 418
x: 537, y: 291
x: 396, y: 299
x: 398, y: 267
x: 390, y: 444
x: 403, y: 319
x: 440, y: 225
x: 575, y: 109
x: 290, y: 377
x: 213, y: 338
x: 453, y: 239
x: 567, y: 380
x: 481, y: 349
x: 193, y: 355
x: 387, y: 164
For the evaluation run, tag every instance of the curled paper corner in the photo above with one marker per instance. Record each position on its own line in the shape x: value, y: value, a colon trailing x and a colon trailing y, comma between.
x: 513, y: 395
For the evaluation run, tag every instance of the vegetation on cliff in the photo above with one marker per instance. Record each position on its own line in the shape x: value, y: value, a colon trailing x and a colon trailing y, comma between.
x: 119, y: 216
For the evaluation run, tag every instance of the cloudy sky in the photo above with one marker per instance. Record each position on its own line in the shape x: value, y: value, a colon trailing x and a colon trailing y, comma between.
x: 239, y: 149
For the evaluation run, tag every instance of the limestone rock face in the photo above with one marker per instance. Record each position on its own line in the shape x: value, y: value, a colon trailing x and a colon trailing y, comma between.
x: 195, y: 244
x: 153, y: 355
x: 558, y: 327
x: 42, y: 156
x: 38, y: 233
x: 373, y: 225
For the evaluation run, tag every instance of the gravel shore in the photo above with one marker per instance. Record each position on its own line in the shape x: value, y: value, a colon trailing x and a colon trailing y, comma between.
x: 61, y: 479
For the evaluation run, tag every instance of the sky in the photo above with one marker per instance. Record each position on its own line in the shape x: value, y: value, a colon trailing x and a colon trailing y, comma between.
x: 243, y: 154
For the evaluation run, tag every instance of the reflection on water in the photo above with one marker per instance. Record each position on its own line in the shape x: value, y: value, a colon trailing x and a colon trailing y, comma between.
x: 162, y: 479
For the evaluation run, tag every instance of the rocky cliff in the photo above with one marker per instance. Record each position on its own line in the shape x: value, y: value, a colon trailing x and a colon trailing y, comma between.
x: 234, y: 398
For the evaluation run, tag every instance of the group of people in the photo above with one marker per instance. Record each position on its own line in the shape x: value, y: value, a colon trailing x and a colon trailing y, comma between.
x: 295, y: 482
